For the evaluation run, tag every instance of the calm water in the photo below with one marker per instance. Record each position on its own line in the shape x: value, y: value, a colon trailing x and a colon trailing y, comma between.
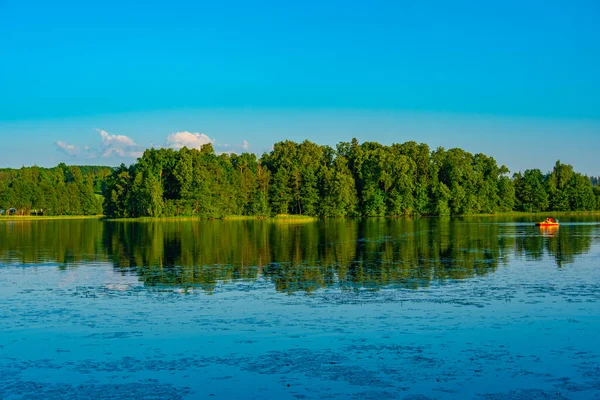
x: 417, y: 309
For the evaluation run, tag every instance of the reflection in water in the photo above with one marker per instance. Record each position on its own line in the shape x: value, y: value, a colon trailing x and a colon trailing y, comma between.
x: 344, y: 253
x: 304, y: 257
x: 549, y: 231
x: 563, y: 243
x: 55, y: 241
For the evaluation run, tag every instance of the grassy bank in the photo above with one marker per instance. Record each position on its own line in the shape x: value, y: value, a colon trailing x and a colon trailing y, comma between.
x: 242, y: 217
x: 285, y: 218
x: 537, y: 214
x: 154, y: 219
x: 46, y: 217
x: 278, y: 218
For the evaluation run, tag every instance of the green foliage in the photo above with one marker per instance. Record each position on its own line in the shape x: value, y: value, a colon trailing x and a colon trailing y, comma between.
x: 531, y: 192
x: 354, y: 179
x: 51, y: 191
x: 563, y: 189
x: 596, y: 192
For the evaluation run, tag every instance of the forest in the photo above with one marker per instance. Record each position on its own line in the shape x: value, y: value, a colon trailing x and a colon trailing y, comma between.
x: 62, y: 190
x: 351, y: 180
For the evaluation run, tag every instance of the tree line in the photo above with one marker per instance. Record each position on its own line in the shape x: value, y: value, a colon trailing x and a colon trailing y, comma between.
x: 351, y: 180
x: 62, y: 190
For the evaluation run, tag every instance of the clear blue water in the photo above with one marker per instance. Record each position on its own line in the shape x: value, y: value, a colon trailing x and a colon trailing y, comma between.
x: 413, y: 309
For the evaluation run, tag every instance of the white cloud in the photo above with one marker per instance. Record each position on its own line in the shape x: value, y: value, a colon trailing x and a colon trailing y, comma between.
x: 118, y: 145
x: 121, y: 146
x: 68, y: 149
x: 116, y: 140
x: 187, y: 139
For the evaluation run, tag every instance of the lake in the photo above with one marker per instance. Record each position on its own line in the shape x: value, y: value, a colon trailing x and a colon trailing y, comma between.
x: 429, y: 308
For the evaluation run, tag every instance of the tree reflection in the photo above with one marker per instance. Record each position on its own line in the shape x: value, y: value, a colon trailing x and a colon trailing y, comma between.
x: 345, y: 253
x: 342, y: 253
x: 66, y: 242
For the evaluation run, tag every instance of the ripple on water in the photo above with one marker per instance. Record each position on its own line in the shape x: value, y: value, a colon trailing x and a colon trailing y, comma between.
x: 56, y: 391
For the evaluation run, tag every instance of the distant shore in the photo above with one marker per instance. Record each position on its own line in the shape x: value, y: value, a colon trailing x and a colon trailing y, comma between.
x: 281, y: 218
x: 46, y: 217
x: 525, y: 214
x: 277, y: 218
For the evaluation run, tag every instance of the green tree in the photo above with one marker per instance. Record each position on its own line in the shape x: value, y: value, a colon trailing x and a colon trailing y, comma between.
x: 531, y: 192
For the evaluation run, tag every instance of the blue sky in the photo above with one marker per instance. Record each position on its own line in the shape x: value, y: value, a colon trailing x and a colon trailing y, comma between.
x: 97, y: 83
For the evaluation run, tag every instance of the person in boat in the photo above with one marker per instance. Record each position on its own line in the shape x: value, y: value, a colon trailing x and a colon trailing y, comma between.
x: 548, y: 222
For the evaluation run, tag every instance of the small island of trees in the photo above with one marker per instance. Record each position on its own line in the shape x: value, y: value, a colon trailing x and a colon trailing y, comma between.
x: 351, y: 180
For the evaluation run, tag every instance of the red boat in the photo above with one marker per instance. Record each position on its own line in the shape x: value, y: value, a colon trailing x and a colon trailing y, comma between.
x: 548, y: 222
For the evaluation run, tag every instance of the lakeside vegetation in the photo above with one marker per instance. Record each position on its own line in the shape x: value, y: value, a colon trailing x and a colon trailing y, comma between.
x: 279, y: 219
x: 46, y: 217
x: 276, y: 218
x: 62, y: 190
x: 298, y: 180
x: 355, y: 180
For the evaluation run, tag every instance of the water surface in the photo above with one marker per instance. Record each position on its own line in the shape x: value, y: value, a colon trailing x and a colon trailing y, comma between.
x: 484, y: 308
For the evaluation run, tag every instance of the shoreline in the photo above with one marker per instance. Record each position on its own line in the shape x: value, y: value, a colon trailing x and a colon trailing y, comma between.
x: 47, y: 217
x: 288, y: 218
